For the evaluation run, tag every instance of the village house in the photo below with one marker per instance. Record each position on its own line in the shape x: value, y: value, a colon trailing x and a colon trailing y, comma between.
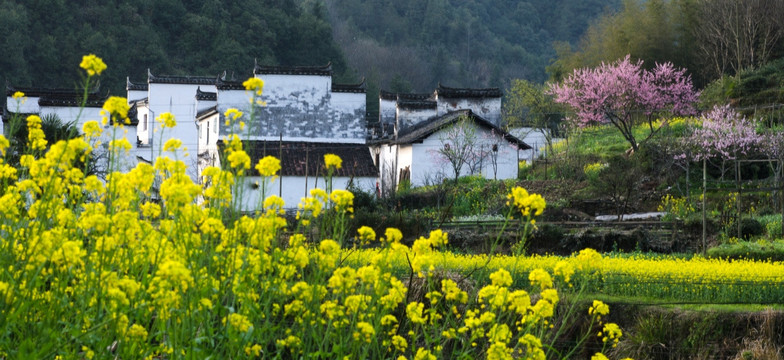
x: 305, y: 116
x: 414, y: 129
x: 65, y: 105
x: 176, y: 95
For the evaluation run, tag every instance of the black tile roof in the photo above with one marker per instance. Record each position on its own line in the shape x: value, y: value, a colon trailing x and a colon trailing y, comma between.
x: 142, y: 101
x: 357, y: 161
x: 447, y: 92
x: 93, y: 100
x: 388, y: 95
x: 426, y: 128
x: 223, y: 84
x: 206, y: 112
x: 206, y: 95
x: 417, y: 104
x: 325, y: 70
x: 189, y: 80
x: 132, y: 86
x: 350, y: 88
x: 51, y: 92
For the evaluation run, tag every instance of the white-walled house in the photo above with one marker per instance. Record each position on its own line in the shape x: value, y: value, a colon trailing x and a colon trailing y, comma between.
x: 302, y: 169
x: 414, y: 127
x: 414, y: 156
x: 176, y: 95
x: 536, y: 138
x: 306, y: 115
x: 66, y: 104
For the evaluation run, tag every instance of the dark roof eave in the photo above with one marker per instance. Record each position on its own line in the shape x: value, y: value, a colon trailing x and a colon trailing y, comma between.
x: 418, y: 133
x: 412, y: 104
x: 131, y: 86
x: 453, y: 93
x: 359, y: 88
x: 357, y: 160
x: 184, y: 80
x: 206, y: 95
x: 201, y: 115
x: 324, y: 70
x: 53, y: 92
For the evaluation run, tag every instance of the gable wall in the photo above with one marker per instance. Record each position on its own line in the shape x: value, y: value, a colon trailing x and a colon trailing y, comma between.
x: 488, y: 108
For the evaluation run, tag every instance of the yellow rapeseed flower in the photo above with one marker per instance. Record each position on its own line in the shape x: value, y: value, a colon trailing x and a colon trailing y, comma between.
x: 393, y: 235
x: 366, y: 234
x: 254, y: 84
x: 343, y: 200
x: 540, y: 278
x: 238, y: 322
x: 239, y: 160
x: 232, y: 114
x: 120, y: 144
x: 268, y: 166
x: 332, y: 161
x: 172, y: 144
x: 92, y: 64
x: 17, y: 95
x: 167, y: 120
x: 116, y: 108
x: 4, y: 144
x: 598, y: 308
x: 91, y: 129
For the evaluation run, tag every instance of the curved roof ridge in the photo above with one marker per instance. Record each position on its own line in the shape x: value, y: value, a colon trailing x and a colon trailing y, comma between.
x: 354, y: 88
x: 223, y: 84
x: 451, y: 92
x: 178, y: 79
x: 43, y: 91
x: 129, y: 85
x: 292, y: 70
x: 206, y: 95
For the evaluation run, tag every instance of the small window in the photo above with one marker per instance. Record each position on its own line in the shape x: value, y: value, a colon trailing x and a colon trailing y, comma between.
x: 145, y: 122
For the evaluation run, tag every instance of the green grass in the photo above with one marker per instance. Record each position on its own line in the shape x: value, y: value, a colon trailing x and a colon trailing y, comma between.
x: 605, y: 141
x: 761, y: 250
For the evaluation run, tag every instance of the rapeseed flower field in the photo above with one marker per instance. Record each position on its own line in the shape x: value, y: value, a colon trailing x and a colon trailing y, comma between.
x: 148, y: 264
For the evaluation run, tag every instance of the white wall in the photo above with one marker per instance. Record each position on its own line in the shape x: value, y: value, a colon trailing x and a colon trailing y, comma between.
x: 294, y: 188
x: 301, y: 108
x: 180, y: 100
x: 386, y: 111
x: 488, y: 108
x: 71, y: 114
x: 408, y: 117
x: 386, y: 167
x: 26, y: 105
x: 134, y: 95
x: 429, y: 167
x: 535, y: 138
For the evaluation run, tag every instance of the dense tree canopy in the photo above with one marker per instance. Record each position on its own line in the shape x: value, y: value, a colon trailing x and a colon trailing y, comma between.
x: 461, y: 43
x: 43, y: 40
x: 709, y: 37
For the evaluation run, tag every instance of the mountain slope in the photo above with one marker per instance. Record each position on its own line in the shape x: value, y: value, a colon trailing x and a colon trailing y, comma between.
x: 43, y: 40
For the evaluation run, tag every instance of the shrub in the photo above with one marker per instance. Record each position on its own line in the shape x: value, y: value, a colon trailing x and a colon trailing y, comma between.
x: 758, y: 250
x: 750, y: 228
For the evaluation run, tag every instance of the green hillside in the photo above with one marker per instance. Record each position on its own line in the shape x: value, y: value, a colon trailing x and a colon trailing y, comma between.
x: 413, y: 44
x: 43, y: 40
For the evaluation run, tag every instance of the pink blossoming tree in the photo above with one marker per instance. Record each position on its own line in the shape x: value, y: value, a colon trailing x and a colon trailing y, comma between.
x: 724, y: 136
x: 624, y: 94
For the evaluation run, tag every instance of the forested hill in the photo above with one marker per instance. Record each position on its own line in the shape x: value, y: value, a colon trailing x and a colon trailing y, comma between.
x: 414, y: 44
x: 43, y: 40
